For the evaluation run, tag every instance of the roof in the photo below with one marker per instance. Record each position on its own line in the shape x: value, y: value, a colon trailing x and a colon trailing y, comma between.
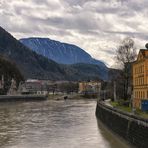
x: 143, y: 51
x: 143, y: 54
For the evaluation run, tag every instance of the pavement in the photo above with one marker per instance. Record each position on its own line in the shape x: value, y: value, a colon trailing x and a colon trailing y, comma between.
x: 107, y: 102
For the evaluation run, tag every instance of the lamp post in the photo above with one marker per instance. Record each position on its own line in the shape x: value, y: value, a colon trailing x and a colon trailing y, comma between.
x: 115, y: 97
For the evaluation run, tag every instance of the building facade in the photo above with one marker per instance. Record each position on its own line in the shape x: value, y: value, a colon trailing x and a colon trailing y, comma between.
x: 140, y: 78
x: 91, y: 87
x: 33, y: 86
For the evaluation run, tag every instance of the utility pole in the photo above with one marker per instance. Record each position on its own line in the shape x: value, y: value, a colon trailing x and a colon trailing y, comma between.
x: 115, y: 97
x: 104, y: 95
x: 99, y: 91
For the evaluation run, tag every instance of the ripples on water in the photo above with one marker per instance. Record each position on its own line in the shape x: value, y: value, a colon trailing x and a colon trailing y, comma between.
x: 53, y: 124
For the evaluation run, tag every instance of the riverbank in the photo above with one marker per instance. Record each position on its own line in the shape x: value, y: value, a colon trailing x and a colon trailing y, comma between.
x: 68, y: 97
x: 10, y: 98
x: 33, y: 97
x: 132, y: 128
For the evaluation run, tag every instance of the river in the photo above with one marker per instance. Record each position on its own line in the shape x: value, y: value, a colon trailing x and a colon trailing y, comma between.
x: 54, y: 124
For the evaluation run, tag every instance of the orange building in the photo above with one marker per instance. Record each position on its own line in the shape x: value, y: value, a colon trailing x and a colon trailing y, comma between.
x: 140, y: 78
x: 89, y: 87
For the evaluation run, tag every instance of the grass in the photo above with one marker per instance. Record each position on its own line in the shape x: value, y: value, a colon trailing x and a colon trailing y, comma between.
x: 129, y: 109
x: 121, y: 107
x: 142, y: 114
x: 114, y: 104
x: 125, y: 108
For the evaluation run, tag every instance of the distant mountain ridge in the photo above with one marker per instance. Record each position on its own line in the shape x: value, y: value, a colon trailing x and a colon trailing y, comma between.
x: 33, y: 65
x: 63, y: 53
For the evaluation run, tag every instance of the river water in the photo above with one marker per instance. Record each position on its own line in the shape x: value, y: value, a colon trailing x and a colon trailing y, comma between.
x: 54, y: 124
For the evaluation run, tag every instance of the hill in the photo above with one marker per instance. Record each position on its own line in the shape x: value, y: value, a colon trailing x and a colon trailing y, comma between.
x: 63, y: 53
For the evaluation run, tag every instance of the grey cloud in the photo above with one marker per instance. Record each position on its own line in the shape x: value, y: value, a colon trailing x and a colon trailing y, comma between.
x: 142, y: 36
x: 57, y: 32
x: 40, y: 2
x: 77, y: 2
x: 119, y: 8
x: 89, y: 32
x: 110, y: 51
x: 6, y: 13
x: 70, y: 22
x: 52, y: 5
x: 137, y: 5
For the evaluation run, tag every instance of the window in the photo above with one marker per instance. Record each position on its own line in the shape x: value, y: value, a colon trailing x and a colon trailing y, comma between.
x: 143, y: 94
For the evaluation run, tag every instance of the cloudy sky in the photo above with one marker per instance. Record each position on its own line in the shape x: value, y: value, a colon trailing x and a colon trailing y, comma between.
x: 97, y: 26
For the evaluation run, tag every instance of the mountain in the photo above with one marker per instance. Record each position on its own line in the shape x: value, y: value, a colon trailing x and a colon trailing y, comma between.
x: 63, y: 53
x: 37, y: 66
x: 87, y: 70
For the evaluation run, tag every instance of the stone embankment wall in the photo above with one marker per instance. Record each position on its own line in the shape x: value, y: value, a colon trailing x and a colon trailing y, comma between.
x: 130, y: 127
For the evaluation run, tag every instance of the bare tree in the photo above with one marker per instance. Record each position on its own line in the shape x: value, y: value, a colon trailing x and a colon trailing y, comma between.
x: 125, y: 55
x: 126, y: 52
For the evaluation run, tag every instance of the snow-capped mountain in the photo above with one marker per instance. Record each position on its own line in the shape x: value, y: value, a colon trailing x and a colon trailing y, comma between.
x: 63, y: 53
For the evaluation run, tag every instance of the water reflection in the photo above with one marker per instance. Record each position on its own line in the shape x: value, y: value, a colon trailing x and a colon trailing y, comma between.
x: 53, y: 124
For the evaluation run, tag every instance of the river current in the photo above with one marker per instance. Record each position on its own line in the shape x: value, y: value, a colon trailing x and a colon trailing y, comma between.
x: 54, y: 124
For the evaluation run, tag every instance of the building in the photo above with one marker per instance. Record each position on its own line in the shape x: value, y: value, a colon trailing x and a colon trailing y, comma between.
x: 92, y: 87
x: 33, y: 86
x: 140, y: 78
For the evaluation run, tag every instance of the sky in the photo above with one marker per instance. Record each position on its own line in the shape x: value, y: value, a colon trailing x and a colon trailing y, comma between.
x: 97, y: 26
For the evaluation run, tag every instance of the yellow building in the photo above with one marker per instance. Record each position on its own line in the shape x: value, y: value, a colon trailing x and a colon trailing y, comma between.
x: 140, y: 78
